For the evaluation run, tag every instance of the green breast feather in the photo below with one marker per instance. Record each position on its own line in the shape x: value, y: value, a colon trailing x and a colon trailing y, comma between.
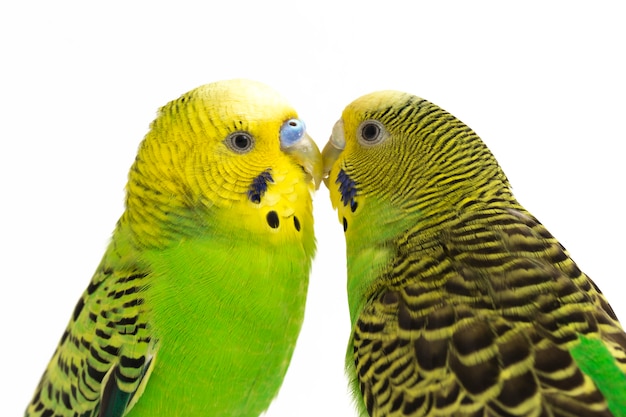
x: 197, y: 304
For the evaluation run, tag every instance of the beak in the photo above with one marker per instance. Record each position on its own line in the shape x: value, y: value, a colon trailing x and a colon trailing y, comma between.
x: 333, y: 149
x: 298, y: 144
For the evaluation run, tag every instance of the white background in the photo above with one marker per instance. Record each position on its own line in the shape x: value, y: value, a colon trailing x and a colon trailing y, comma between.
x: 541, y: 82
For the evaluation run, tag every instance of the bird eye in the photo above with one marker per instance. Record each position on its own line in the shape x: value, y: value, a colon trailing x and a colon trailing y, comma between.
x: 240, y: 142
x: 371, y: 132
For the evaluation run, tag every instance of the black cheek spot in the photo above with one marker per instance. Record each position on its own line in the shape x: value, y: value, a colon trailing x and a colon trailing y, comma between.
x: 345, y: 224
x: 296, y: 223
x: 272, y: 219
x: 353, y: 206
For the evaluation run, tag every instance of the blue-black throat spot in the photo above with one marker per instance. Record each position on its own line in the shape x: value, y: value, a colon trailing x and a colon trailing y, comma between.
x: 296, y: 223
x: 258, y: 187
x: 272, y: 219
x: 348, y: 191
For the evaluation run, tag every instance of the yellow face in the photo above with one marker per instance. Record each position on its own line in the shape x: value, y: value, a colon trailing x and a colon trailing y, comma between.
x: 234, y: 148
x: 405, y: 161
x: 358, y: 159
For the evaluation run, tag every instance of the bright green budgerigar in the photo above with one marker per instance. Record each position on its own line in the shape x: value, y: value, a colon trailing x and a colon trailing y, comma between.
x: 197, y: 303
x: 461, y: 302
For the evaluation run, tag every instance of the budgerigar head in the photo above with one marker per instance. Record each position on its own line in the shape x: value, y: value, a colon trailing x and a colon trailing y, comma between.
x: 394, y: 158
x: 227, y: 153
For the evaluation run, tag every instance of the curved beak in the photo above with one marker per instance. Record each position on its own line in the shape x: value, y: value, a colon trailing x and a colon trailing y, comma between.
x: 307, y: 154
x: 333, y: 149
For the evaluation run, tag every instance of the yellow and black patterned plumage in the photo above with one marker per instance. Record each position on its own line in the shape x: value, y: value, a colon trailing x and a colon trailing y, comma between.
x: 462, y: 303
x: 110, y: 344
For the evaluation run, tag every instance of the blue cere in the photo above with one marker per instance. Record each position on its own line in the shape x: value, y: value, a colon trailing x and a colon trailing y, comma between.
x: 291, y: 132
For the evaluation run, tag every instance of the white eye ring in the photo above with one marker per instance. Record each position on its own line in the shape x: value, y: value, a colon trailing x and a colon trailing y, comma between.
x: 371, y: 132
x: 240, y: 142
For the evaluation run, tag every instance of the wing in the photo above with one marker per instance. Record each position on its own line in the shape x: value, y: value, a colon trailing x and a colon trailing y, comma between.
x: 481, y: 324
x: 105, y: 354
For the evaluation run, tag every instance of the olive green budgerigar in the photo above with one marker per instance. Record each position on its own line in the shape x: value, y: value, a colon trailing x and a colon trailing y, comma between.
x: 197, y: 303
x: 461, y: 302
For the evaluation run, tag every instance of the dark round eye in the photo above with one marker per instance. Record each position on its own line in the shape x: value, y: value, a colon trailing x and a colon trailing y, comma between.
x: 371, y: 132
x: 240, y: 142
